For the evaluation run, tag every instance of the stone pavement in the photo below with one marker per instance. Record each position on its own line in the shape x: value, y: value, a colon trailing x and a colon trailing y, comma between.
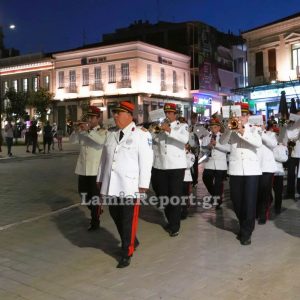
x: 46, y: 252
x: 19, y: 151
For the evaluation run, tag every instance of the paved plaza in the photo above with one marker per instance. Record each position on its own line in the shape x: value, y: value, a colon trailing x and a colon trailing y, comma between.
x: 46, y: 252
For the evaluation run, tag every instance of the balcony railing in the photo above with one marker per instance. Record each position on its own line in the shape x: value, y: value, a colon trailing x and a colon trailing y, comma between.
x: 273, y: 75
x: 97, y: 86
x: 163, y: 86
x: 71, y: 89
x: 124, y: 84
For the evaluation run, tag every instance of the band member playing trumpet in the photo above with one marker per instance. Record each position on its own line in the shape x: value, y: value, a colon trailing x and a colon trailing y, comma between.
x: 169, y: 166
x: 244, y: 171
x: 91, y: 139
x: 215, y: 169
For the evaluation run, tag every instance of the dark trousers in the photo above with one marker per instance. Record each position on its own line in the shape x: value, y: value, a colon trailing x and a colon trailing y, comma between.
x: 169, y: 183
x: 264, y: 195
x: 195, y: 171
x: 34, y: 144
x: 292, y: 166
x: 185, y: 193
x: 87, y: 184
x: 126, y: 220
x: 213, y: 181
x: 9, y: 143
x: 278, y: 189
x: 243, y: 193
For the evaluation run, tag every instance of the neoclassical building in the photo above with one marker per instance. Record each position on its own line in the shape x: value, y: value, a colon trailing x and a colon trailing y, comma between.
x: 273, y: 63
x: 103, y: 75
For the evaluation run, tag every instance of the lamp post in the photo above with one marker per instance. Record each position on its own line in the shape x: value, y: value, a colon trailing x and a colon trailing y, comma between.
x: 11, y: 27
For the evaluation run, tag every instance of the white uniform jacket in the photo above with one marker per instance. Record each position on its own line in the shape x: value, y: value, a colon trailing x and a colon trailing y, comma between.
x: 218, y: 158
x: 281, y: 155
x: 91, y: 144
x: 170, y: 147
x: 243, y: 158
x: 190, y: 159
x: 265, y: 152
x: 292, y: 134
x: 126, y: 165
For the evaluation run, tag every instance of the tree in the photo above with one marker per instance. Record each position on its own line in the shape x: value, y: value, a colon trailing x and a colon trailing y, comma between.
x: 16, y: 104
x: 41, y: 101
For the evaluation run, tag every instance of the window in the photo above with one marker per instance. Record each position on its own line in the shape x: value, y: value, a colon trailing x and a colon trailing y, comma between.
x: 184, y: 81
x: 61, y: 79
x: 162, y: 79
x: 295, y: 56
x: 35, y: 83
x: 125, y: 72
x: 85, y: 76
x: 72, y: 78
x: 25, y: 84
x: 97, y: 78
x: 174, y: 81
x: 149, y: 73
x: 47, y: 82
x: 111, y: 73
x: 97, y: 74
x: 15, y: 85
x: 259, y: 64
x: 6, y: 88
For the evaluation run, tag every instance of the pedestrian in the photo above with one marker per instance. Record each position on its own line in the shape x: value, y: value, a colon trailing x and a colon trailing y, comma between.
x: 54, y: 133
x: 47, y: 137
x: 244, y: 170
x: 9, y: 136
x: 169, y: 165
x: 215, y: 169
x: 33, y: 133
x: 91, y: 138
x: 59, y: 136
x: 124, y: 174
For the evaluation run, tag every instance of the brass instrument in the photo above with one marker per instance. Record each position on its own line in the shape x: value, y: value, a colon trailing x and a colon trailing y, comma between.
x: 156, y: 127
x: 233, y: 123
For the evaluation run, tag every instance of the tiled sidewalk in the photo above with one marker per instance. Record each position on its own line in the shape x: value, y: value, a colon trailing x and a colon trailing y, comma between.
x: 54, y: 257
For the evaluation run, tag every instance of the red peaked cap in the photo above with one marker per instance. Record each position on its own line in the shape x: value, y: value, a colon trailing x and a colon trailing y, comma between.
x: 244, y: 107
x: 93, y: 111
x: 214, y: 121
x: 124, y: 106
x: 170, y: 107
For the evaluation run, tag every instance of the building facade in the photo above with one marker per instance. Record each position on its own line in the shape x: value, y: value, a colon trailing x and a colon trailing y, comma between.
x: 103, y: 75
x: 26, y: 73
x: 212, y: 68
x: 274, y: 64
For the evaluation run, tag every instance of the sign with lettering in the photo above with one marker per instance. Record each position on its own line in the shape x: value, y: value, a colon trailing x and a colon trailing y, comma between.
x: 94, y: 60
x: 164, y: 61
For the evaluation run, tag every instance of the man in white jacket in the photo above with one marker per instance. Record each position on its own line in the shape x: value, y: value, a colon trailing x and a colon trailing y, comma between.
x: 91, y: 139
x: 124, y: 173
x: 169, y: 166
x: 215, y: 169
x: 244, y: 171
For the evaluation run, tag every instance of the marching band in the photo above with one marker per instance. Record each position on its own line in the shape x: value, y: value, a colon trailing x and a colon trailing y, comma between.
x: 166, y: 156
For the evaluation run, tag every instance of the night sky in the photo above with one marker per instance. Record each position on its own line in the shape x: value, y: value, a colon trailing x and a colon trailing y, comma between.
x: 43, y: 25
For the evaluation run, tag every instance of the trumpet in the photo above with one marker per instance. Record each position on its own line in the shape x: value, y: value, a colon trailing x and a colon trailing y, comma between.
x: 233, y: 123
x: 156, y: 127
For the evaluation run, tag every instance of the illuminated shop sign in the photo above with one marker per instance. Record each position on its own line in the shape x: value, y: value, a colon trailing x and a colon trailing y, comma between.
x: 202, y: 99
x: 275, y: 92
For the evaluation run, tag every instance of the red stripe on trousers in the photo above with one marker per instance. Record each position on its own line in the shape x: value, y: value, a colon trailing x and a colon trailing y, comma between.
x: 134, y: 226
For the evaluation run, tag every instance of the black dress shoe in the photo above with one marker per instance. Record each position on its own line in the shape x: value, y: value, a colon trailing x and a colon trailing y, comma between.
x: 245, y: 242
x: 124, y: 262
x: 93, y: 227
x: 262, y: 221
x: 174, y: 233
